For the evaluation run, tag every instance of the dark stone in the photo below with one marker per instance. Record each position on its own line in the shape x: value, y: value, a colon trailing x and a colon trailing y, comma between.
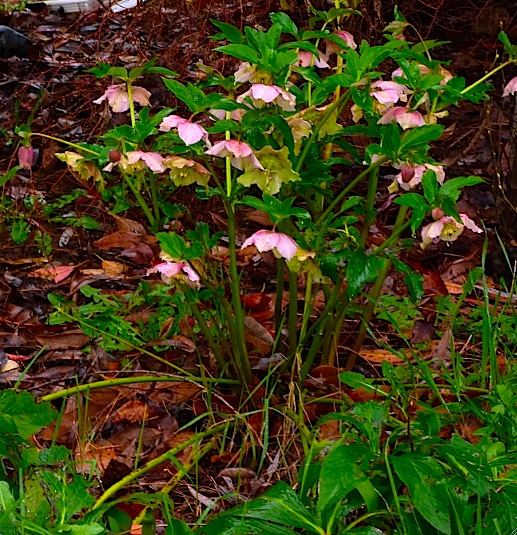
x: 13, y: 43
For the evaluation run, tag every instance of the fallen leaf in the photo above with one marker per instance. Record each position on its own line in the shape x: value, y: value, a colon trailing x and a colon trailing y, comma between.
x: 55, y: 273
x: 66, y: 340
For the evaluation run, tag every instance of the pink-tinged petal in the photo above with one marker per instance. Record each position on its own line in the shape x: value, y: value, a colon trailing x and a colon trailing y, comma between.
x: 169, y: 269
x: 117, y: 98
x: 191, y: 274
x: 154, y: 161
x: 141, y: 95
x: 219, y: 149
x: 267, y: 240
x: 406, y: 119
x: 511, y: 87
x: 348, y: 38
x: 191, y: 133
x: 470, y: 224
x: 438, y: 170
x: 133, y: 156
x: 245, y: 73
x: 238, y: 148
x: 267, y: 93
x: 307, y: 59
x: 387, y: 96
x: 169, y: 122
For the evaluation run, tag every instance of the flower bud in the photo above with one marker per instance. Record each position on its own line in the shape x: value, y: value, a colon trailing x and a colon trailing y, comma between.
x: 114, y: 156
x: 26, y: 157
x: 437, y: 213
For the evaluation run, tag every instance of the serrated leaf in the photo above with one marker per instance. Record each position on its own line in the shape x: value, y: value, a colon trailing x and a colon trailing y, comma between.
x: 361, y: 268
x: 27, y: 415
x: 230, y: 32
x: 243, y: 52
x: 285, y: 22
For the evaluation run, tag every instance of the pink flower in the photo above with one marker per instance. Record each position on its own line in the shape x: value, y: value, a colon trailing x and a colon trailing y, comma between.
x: 447, y: 229
x: 26, y: 157
x: 268, y: 240
x: 240, y: 153
x: 389, y: 93
x: 406, y: 119
x: 334, y: 48
x: 118, y: 98
x: 153, y: 160
x: 169, y: 270
x: 511, y: 87
x: 307, y: 59
x: 269, y: 94
x: 411, y: 175
x: 251, y: 73
x: 188, y: 132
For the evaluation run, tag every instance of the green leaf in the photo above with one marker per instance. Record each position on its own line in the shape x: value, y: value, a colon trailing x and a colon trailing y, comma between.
x: 37, y: 507
x: 452, y: 188
x: 420, y: 137
x: 413, y: 200
x: 281, y: 505
x: 22, y: 410
x: 6, y: 498
x: 83, y: 529
x: 361, y: 268
x: 191, y: 95
x: 423, y: 477
x: 430, y: 186
x: 230, y: 32
x: 285, y: 22
x: 341, y: 473
x: 226, y: 525
x: 243, y: 52
x: 20, y: 231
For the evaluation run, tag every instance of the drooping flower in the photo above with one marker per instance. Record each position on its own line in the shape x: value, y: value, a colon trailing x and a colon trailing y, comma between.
x: 188, y: 132
x: 240, y: 153
x: 153, y: 160
x: 405, y: 118
x: 268, y: 240
x: 334, y: 48
x: 411, y: 175
x: 307, y: 59
x: 169, y: 270
x: 184, y: 172
x: 118, y: 98
x: 269, y: 94
x: 447, y: 229
x: 26, y: 157
x: 389, y: 93
x: 86, y: 169
x: 251, y: 73
x: 511, y: 87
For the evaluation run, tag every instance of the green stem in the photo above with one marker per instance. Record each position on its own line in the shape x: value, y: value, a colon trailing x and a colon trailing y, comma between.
x: 488, y: 75
x: 292, y: 319
x: 370, y: 206
x: 342, y: 194
x: 241, y: 353
x: 133, y: 380
x: 119, y: 485
x: 280, y: 266
x: 69, y: 143
x: 131, y: 103
x: 374, y: 294
x: 140, y: 200
x: 154, y: 198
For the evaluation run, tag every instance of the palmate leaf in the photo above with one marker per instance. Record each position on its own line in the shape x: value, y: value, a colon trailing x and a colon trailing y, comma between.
x: 243, y: 52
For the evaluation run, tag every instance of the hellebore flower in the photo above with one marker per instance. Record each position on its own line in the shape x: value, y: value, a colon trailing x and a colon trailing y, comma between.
x: 241, y: 154
x: 184, y: 172
x: 334, y: 48
x: 251, y: 73
x: 269, y: 94
x: 307, y: 59
x: 447, y: 229
x: 188, y: 132
x: 389, y: 93
x: 153, y: 160
x: 268, y: 240
x: 118, y: 98
x: 511, y: 87
x: 26, y: 157
x: 406, y: 119
x: 169, y: 270
x: 411, y: 175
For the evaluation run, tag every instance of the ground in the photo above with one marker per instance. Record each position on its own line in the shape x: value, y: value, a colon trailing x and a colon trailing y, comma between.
x: 51, y: 90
